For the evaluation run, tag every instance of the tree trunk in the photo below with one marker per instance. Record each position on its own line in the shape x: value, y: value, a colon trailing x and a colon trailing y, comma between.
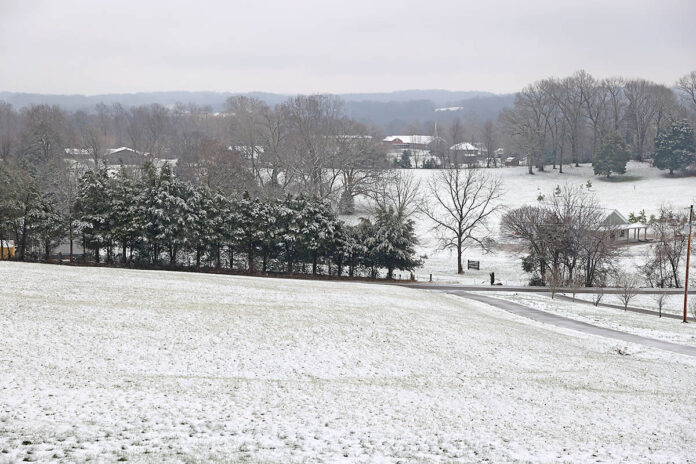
x: 22, y: 251
x: 250, y: 259
x: 460, y: 268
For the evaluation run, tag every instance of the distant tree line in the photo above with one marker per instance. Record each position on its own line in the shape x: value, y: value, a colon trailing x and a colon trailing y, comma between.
x: 305, y: 145
x: 579, y: 119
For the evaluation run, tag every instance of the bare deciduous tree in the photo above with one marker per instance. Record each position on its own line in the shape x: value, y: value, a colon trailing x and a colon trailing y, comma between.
x: 660, y: 302
x: 687, y: 86
x: 459, y: 202
x: 398, y: 190
x: 628, y: 287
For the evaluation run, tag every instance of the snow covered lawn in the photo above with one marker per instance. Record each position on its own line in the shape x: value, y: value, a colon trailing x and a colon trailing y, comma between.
x: 107, y: 364
x: 643, y: 187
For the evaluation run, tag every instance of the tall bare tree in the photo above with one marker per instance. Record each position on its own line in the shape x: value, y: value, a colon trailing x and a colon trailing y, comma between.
x: 459, y: 202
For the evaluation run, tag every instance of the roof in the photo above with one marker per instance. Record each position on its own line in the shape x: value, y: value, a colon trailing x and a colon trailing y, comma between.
x: 108, y: 151
x: 111, y: 151
x: 410, y: 139
x: 464, y: 146
x: 615, y: 218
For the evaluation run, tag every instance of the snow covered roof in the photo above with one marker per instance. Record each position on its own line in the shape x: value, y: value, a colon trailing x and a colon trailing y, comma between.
x: 615, y: 218
x: 410, y: 139
x: 111, y: 151
x: 464, y: 146
x: 108, y: 151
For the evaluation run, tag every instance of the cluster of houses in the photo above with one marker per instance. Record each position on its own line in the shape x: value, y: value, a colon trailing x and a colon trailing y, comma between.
x: 418, y: 150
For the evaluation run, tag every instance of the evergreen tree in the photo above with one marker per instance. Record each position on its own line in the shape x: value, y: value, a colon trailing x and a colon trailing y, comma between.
x: 230, y: 230
x: 95, y: 210
x: 395, y: 241
x: 166, y: 213
x: 612, y: 156
x: 318, y: 229
x: 219, y: 209
x: 126, y: 214
x: 48, y: 226
x: 674, y: 147
x: 290, y: 227
x: 250, y: 228
x: 199, y: 212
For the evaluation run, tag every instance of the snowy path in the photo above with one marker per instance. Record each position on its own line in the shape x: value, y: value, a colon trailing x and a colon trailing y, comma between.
x: 566, y: 323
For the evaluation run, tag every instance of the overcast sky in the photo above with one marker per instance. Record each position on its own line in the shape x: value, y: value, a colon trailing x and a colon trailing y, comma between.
x: 307, y: 46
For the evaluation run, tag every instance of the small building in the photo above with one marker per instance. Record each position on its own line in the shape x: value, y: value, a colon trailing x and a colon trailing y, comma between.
x: 407, y: 142
x: 7, y: 249
x: 618, y: 222
x: 416, y: 147
x: 466, y: 153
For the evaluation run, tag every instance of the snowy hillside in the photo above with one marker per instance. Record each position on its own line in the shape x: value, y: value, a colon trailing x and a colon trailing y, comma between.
x: 112, y: 364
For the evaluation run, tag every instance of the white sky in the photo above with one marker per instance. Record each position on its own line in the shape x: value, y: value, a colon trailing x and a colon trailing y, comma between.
x: 307, y: 46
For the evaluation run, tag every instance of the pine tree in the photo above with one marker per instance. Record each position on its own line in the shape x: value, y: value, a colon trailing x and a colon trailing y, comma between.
x: 674, y: 147
x: 199, y: 211
x: 48, y: 226
x: 126, y: 216
x: 94, y: 210
x: 250, y: 228
x: 395, y: 242
x: 612, y: 156
x: 290, y: 226
x: 165, y: 212
x: 318, y: 229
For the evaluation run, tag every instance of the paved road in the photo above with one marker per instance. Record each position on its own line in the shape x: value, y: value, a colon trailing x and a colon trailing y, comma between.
x: 502, y: 288
x: 566, y: 323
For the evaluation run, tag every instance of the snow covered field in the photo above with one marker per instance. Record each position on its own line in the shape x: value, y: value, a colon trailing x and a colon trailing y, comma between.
x: 643, y: 187
x: 107, y: 364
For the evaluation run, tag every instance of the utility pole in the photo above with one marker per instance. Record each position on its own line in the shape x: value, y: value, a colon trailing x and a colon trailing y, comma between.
x: 688, y: 255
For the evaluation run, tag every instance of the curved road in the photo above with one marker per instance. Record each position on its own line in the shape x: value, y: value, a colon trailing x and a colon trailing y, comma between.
x: 502, y: 288
x: 559, y: 321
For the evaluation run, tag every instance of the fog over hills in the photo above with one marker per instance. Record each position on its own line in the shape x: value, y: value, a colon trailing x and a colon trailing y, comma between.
x: 390, y: 110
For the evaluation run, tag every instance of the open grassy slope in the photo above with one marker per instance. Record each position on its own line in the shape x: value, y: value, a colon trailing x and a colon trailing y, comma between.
x: 148, y: 366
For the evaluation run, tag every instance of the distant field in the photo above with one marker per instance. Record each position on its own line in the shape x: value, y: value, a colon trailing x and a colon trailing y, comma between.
x: 150, y: 366
x: 643, y: 187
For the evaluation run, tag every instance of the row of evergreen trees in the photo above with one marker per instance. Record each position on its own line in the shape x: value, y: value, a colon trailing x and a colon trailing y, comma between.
x: 159, y: 219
